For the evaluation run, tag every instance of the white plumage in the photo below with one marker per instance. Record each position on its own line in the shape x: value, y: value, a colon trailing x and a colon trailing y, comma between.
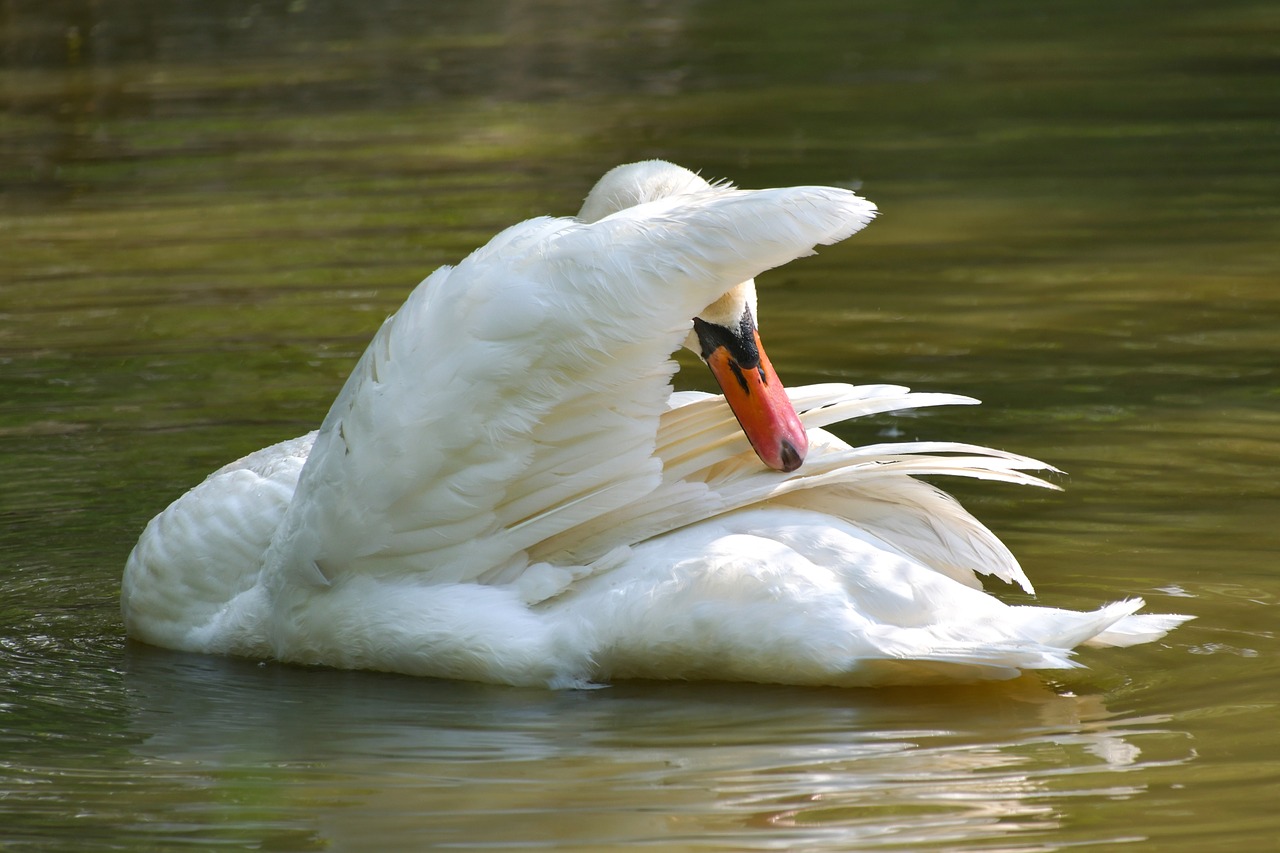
x: 507, y: 490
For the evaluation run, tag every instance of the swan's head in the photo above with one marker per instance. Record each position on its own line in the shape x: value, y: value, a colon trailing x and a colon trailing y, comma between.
x: 725, y: 333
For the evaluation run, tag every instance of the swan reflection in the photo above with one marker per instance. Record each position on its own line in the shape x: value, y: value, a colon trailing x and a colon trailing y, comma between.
x: 353, y: 759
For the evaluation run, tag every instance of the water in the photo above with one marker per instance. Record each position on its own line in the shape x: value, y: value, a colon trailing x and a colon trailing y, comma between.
x: 206, y: 209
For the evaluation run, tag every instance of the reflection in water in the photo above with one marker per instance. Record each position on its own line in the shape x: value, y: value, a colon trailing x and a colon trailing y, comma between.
x: 348, y: 757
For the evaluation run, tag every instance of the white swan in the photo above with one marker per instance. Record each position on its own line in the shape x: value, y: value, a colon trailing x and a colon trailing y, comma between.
x: 507, y: 490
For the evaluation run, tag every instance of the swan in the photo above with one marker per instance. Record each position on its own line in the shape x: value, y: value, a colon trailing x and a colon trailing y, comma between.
x: 508, y: 490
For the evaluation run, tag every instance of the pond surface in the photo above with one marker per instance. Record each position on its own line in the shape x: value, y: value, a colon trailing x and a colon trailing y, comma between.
x: 207, y: 208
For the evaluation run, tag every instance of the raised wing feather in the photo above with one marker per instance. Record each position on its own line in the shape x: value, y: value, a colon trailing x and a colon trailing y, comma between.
x: 518, y: 395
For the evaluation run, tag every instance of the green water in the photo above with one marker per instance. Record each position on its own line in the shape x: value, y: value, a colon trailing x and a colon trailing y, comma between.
x: 206, y: 210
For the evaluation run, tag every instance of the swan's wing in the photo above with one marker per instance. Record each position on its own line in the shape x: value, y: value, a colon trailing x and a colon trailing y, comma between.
x: 518, y: 395
x: 710, y: 470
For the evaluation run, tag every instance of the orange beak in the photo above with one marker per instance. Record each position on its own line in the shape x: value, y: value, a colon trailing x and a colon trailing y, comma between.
x: 754, y: 393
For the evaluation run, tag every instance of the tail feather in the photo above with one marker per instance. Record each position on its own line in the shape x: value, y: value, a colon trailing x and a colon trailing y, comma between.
x: 1136, y: 629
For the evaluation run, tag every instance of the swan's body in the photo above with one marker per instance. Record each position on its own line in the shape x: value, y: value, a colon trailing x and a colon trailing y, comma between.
x: 507, y: 490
